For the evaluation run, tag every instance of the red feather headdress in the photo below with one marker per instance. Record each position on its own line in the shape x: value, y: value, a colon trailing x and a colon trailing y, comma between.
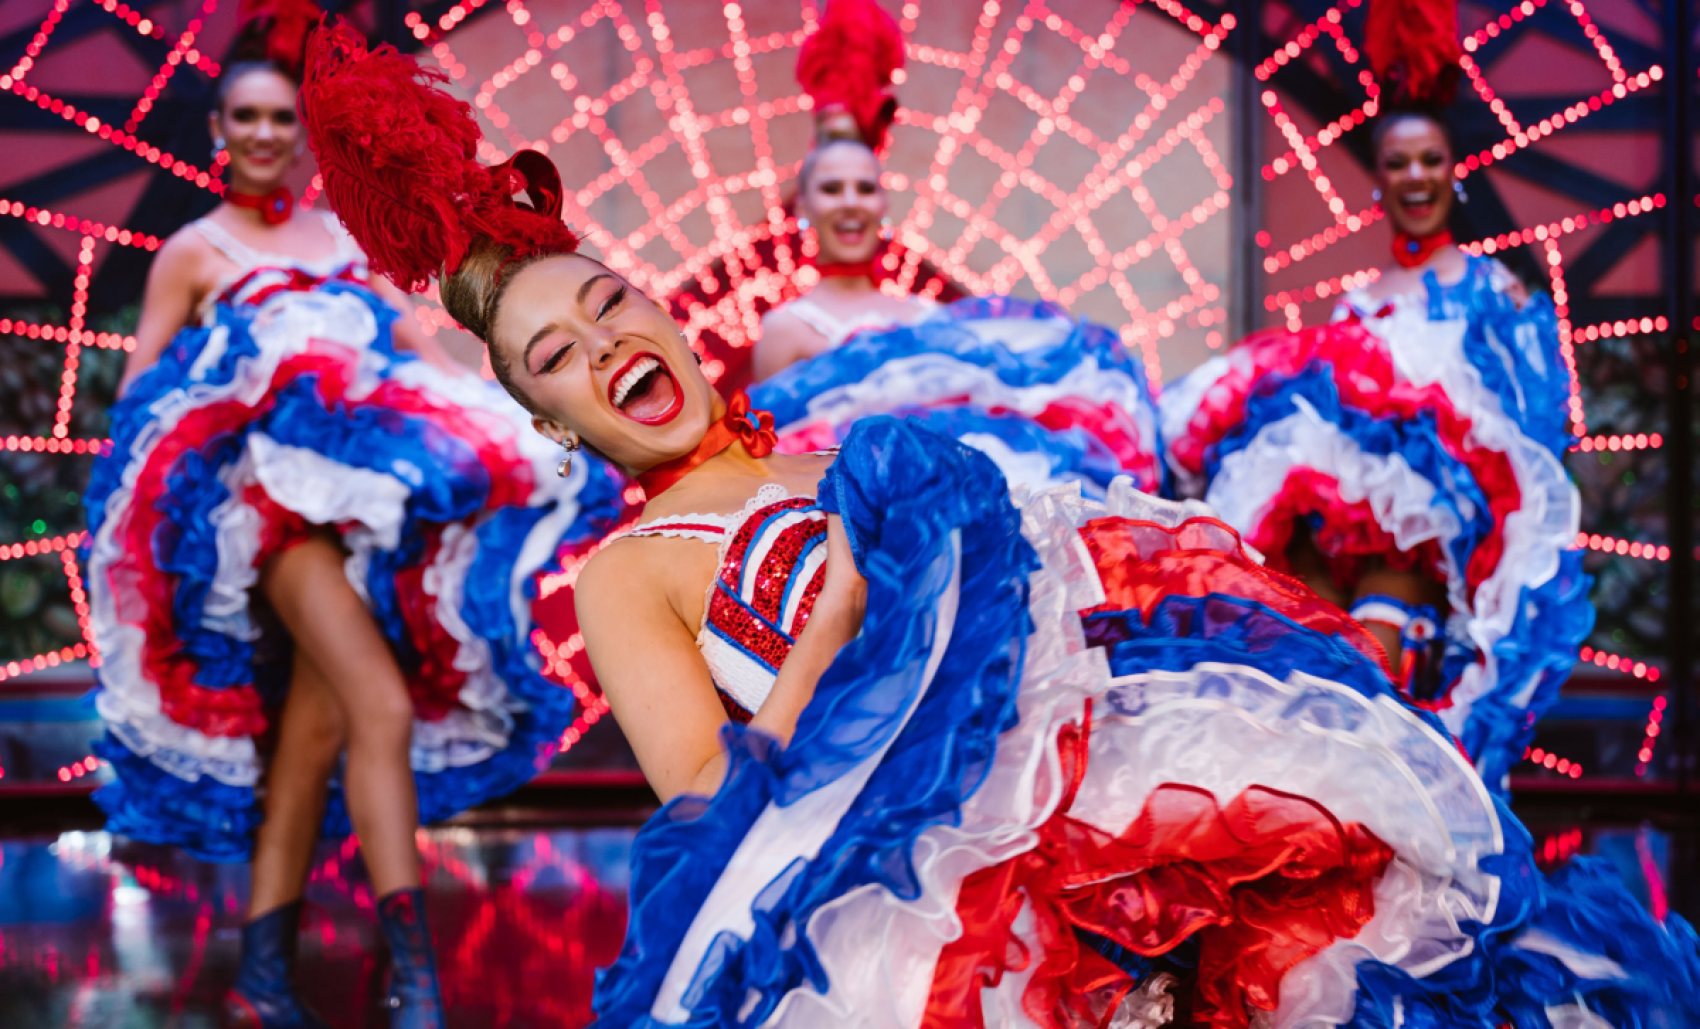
x: 398, y: 157
x: 276, y: 31
x: 1413, y: 50
x: 848, y: 62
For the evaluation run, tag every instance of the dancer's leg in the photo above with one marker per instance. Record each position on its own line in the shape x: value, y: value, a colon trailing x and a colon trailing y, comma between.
x: 1306, y: 562
x: 1411, y: 588
x: 310, y: 738
x: 329, y: 623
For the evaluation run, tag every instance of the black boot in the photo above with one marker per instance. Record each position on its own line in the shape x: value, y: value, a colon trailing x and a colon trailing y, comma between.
x: 263, y: 996
x: 414, y: 1001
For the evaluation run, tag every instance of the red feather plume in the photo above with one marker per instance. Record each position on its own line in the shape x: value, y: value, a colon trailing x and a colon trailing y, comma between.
x: 398, y: 157
x: 1413, y: 50
x: 281, y: 27
x: 849, y: 61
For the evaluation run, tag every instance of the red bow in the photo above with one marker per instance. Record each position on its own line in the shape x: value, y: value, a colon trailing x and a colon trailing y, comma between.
x: 754, y: 428
x: 740, y: 424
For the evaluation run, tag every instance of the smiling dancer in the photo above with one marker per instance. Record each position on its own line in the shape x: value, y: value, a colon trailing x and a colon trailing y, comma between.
x: 305, y: 544
x: 1051, y: 399
x: 1406, y: 460
x: 931, y: 759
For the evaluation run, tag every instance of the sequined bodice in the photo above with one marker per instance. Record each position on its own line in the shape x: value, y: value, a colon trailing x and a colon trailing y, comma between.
x: 772, y: 565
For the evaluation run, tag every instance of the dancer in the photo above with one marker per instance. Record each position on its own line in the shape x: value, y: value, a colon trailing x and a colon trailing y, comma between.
x: 305, y: 546
x: 1406, y: 460
x: 1049, y: 398
x: 1062, y: 764
x: 845, y: 67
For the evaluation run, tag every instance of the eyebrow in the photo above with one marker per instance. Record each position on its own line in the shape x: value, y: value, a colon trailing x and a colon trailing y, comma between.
x: 541, y: 334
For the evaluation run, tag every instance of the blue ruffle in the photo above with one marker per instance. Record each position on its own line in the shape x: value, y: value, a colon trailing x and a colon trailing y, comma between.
x: 448, y: 484
x: 1584, y: 906
x: 948, y: 333
x: 902, y: 492
x: 1515, y: 352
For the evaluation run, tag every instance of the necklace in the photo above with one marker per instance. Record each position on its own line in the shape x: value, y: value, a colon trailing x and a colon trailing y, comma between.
x: 274, y: 207
x: 1414, y: 251
x: 741, y: 424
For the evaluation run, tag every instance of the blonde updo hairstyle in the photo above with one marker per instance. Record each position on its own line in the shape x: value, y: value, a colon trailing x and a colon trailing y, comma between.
x: 473, y: 292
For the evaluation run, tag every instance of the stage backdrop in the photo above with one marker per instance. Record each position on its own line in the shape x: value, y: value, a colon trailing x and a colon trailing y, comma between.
x: 1183, y: 172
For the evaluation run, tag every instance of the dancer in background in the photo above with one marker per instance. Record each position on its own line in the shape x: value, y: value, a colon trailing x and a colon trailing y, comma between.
x: 934, y: 758
x: 306, y: 545
x: 1050, y: 398
x: 846, y: 67
x: 1406, y: 460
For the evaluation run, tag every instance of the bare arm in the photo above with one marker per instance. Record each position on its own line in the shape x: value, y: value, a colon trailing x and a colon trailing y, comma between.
x: 408, y: 333
x: 656, y: 681
x: 168, y: 302
x: 784, y: 341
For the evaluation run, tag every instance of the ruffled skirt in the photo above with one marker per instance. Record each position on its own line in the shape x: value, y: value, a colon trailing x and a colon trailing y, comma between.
x: 1090, y: 764
x: 251, y: 430
x: 1052, y: 400
x: 1385, y: 440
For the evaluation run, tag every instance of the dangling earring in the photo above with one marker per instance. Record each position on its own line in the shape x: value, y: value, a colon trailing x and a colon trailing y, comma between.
x: 218, y: 146
x: 1375, y: 195
x: 570, y: 445
x: 802, y: 224
x: 1458, y: 188
x: 886, y: 232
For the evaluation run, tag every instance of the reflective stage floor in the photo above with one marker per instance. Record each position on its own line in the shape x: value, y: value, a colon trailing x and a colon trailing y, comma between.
x: 99, y: 933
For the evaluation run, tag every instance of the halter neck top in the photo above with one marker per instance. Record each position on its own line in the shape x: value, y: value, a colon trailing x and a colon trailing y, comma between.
x: 261, y: 274
x: 836, y: 330
x: 772, y: 565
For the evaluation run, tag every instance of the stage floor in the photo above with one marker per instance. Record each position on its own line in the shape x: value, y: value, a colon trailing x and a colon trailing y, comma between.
x: 98, y: 934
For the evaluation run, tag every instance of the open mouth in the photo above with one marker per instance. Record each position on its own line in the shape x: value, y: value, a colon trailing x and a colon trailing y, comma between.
x: 851, y: 231
x: 1418, y: 204
x: 646, y: 392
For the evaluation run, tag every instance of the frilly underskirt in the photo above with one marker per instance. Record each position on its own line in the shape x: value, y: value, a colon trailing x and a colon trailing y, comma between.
x: 252, y: 429
x: 1385, y: 439
x: 1051, y: 399
x: 1091, y: 764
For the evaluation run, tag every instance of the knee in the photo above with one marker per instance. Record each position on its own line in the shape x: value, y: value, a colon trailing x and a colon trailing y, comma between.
x: 384, y: 719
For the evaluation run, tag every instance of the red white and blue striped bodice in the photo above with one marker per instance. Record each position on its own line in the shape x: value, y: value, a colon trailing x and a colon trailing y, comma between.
x: 772, y: 565
x: 260, y: 275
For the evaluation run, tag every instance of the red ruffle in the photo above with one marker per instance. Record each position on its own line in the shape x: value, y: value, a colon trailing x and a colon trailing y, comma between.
x: 1141, y: 563
x: 1367, y: 381
x: 239, y: 710
x: 1263, y: 882
x: 1349, y: 534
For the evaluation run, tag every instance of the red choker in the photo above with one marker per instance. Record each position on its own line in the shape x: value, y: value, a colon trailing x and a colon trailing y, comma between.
x: 740, y: 424
x: 869, y: 269
x: 274, y: 207
x: 1414, y: 251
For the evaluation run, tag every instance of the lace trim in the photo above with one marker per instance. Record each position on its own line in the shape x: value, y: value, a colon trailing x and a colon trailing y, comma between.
x: 344, y: 252
x: 836, y: 330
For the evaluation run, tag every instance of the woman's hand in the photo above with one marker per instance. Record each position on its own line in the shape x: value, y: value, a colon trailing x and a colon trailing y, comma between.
x: 835, y: 620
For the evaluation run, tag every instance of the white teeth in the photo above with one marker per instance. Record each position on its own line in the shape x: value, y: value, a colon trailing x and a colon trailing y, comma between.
x: 632, y: 378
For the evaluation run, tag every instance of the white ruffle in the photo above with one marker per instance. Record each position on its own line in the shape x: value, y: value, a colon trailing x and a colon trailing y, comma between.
x: 1365, y: 760
x: 785, y: 836
x: 932, y: 378
x: 370, y: 504
x: 1423, y: 353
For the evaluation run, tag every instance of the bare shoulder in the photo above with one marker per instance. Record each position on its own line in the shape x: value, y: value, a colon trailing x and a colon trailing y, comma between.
x: 780, y: 319
x: 184, y: 250
x: 619, y: 574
